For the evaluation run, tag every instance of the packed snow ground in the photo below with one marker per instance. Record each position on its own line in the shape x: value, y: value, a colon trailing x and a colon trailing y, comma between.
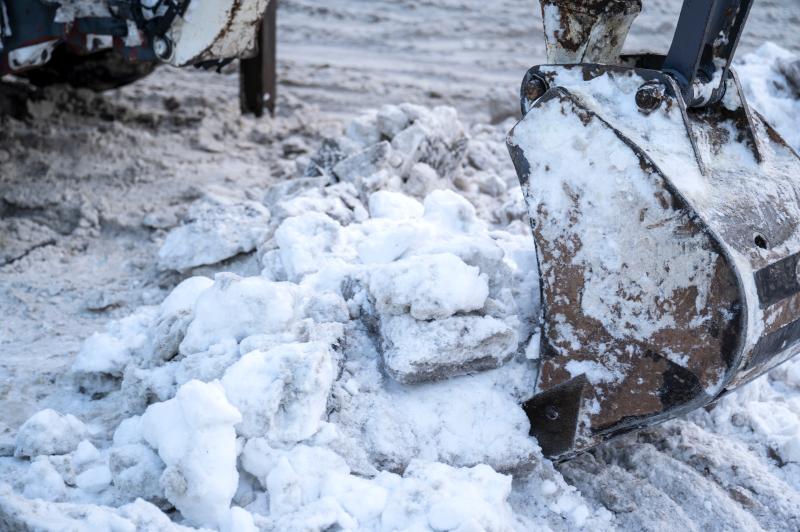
x: 361, y: 363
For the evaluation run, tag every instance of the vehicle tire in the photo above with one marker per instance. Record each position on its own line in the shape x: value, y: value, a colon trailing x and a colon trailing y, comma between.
x: 99, y: 71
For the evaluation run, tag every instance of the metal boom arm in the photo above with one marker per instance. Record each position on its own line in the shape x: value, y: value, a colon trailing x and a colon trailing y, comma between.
x: 703, y: 47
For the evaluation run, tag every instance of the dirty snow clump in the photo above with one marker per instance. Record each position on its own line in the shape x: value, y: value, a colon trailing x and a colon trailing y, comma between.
x: 193, y: 434
x: 48, y: 432
x: 214, y: 229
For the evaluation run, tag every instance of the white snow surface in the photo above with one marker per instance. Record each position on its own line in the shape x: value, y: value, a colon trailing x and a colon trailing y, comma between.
x: 362, y: 364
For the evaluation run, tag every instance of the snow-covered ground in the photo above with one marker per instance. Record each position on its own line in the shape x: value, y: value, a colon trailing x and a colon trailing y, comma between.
x: 360, y: 362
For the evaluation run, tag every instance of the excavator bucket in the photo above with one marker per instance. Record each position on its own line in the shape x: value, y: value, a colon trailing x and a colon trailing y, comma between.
x: 666, y: 218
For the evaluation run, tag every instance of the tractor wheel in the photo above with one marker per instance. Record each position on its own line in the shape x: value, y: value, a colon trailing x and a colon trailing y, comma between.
x: 98, y: 71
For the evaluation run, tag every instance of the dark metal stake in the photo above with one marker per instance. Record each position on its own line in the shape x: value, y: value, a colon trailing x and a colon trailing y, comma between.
x: 257, y: 75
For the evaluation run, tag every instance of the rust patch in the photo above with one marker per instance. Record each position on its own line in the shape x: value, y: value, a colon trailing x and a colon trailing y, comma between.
x: 588, y: 30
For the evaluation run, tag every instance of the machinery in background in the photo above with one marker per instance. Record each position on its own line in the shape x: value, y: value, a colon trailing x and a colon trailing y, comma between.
x: 102, y: 44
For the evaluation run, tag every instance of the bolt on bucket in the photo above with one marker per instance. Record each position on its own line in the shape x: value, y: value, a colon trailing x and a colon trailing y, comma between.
x: 668, y: 241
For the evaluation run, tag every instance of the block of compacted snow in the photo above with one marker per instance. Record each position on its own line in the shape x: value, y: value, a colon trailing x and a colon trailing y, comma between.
x: 43, y: 481
x: 103, y: 357
x: 411, y: 144
x: 234, y: 308
x: 94, y: 479
x: 281, y: 393
x: 391, y: 120
x: 365, y: 163
x: 194, y: 436
x: 239, y: 520
x: 439, y: 497
x: 448, y: 209
x: 214, y: 230
x: 85, y: 454
x: 305, y: 242
x: 174, y: 316
x: 394, y: 205
x: 418, y: 351
x: 102, y: 353
x: 48, y: 432
x: 136, y: 470
x: 311, y: 488
x: 363, y: 130
x: 435, y: 137
x: 388, y: 242
x: 428, y: 287
x: 22, y: 513
x: 341, y: 205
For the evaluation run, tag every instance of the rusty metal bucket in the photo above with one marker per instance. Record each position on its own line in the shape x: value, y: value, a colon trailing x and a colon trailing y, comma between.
x: 668, y: 246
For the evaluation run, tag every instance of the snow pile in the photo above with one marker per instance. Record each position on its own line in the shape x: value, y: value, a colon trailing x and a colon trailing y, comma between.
x: 369, y: 378
x: 770, y: 77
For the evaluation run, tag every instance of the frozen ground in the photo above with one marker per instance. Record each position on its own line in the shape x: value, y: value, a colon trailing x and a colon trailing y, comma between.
x: 313, y: 421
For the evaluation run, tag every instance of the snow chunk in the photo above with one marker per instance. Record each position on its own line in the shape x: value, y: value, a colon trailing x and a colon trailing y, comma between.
x: 239, y: 520
x: 214, y: 229
x: 417, y: 351
x: 26, y: 514
x: 194, y: 436
x: 340, y: 201
x: 398, y: 423
x: 312, y: 487
x: 439, y: 497
x: 102, y: 353
x: 108, y: 352
x: 435, y: 137
x: 393, y: 205
x: 428, y: 287
x: 296, y: 479
x: 48, y: 432
x: 42, y: 481
x: 447, y: 209
x: 136, y: 470
x: 129, y: 431
x: 175, y: 314
x: 94, y: 479
x: 281, y: 393
x: 363, y: 130
x: 85, y: 454
x: 368, y: 168
x: 235, y: 308
x: 385, y: 244
x: 391, y: 120
x: 304, y: 243
x: 183, y: 297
